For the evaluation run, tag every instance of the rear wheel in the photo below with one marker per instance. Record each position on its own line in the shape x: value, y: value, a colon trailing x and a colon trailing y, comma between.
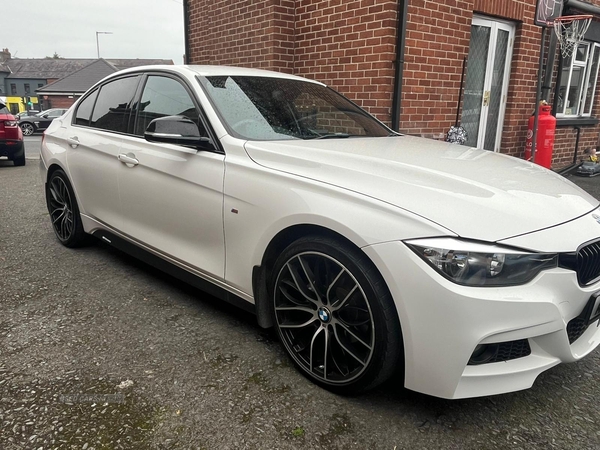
x: 335, y: 315
x: 64, y: 212
x: 27, y: 128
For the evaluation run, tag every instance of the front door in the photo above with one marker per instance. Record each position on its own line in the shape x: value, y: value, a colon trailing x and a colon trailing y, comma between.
x: 486, y: 83
x: 171, y: 195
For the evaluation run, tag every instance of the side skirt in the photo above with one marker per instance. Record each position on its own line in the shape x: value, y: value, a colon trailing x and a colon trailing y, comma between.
x: 173, y: 270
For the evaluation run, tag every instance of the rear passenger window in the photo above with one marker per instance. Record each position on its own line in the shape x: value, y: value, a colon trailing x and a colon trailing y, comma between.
x: 113, y: 107
x: 84, y: 110
x: 162, y: 97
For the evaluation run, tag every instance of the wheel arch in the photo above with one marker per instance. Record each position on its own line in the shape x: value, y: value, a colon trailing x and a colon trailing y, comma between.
x: 277, y: 244
x: 51, y: 169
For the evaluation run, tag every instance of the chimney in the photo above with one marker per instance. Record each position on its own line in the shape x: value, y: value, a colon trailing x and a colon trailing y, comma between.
x: 4, y: 55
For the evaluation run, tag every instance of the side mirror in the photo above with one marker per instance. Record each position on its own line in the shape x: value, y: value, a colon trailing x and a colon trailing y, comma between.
x: 176, y: 130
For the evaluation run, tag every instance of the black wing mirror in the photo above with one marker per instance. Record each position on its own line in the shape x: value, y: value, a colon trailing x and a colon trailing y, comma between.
x: 176, y: 130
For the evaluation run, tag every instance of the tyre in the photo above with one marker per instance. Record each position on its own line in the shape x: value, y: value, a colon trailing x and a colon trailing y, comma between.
x: 20, y: 161
x: 64, y: 212
x: 335, y: 315
x: 27, y: 128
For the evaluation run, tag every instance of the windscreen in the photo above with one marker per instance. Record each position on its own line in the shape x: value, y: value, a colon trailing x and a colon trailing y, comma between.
x: 263, y: 108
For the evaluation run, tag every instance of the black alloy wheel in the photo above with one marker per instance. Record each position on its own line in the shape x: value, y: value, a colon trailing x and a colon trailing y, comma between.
x: 335, y: 316
x: 64, y: 212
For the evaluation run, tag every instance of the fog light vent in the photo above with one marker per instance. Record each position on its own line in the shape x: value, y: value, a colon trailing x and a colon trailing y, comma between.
x: 575, y: 328
x: 502, y: 351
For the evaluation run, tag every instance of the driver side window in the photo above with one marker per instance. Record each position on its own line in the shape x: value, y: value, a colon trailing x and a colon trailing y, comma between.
x: 164, y: 96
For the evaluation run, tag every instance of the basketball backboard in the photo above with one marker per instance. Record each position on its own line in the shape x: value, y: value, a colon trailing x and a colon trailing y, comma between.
x: 546, y: 11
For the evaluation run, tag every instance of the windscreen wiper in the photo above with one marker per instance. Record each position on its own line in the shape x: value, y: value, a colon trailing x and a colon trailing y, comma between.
x: 332, y: 136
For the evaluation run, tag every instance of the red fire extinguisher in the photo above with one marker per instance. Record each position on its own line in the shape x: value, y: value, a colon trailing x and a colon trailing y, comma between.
x: 545, y: 137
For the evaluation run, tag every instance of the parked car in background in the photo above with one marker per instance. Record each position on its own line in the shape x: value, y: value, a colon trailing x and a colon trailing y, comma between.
x: 453, y: 271
x: 31, y: 112
x: 40, y: 121
x: 11, y: 137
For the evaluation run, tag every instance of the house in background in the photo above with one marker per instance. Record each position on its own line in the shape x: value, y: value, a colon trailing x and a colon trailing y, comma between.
x: 402, y: 60
x: 22, y: 79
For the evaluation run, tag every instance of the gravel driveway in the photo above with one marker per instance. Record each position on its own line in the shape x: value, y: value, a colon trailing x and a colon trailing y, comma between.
x: 98, y: 350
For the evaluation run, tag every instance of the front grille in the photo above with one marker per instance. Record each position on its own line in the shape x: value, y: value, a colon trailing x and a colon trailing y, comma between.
x: 575, y: 328
x: 588, y: 263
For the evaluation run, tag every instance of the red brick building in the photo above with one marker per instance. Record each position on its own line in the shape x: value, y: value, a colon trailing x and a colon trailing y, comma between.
x: 402, y: 60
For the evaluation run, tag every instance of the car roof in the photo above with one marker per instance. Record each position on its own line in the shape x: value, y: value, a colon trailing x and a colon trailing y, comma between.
x: 210, y: 70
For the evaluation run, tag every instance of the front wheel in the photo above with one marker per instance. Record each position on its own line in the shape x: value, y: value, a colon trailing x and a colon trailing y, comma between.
x: 64, y: 212
x: 335, y: 315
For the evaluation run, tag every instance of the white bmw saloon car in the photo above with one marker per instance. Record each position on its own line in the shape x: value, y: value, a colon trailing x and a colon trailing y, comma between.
x: 453, y: 271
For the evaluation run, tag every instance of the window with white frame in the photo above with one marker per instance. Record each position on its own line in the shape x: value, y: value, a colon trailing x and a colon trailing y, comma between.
x: 577, y: 87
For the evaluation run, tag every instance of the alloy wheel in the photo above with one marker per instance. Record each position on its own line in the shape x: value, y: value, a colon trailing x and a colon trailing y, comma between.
x: 61, y: 208
x: 27, y: 129
x: 324, y: 318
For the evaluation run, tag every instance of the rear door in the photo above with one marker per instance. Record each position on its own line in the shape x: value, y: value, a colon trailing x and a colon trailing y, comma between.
x: 94, y: 140
x: 172, y: 196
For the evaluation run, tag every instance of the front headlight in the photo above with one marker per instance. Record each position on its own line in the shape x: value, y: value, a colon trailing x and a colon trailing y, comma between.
x: 480, y: 264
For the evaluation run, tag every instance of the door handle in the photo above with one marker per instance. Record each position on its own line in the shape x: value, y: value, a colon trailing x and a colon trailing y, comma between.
x: 486, y: 98
x: 128, y: 159
x: 73, y: 141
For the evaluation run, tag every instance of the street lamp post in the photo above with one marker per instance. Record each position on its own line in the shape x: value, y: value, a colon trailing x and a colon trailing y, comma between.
x: 98, y: 43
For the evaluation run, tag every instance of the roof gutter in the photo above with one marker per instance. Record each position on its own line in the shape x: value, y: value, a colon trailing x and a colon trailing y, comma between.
x: 399, y: 63
x: 186, y: 31
x: 582, y: 6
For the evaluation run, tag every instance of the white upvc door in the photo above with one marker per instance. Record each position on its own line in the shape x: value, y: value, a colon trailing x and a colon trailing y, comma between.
x: 486, y: 83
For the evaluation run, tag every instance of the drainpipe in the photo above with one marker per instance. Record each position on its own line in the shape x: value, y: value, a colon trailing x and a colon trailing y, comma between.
x: 549, y: 68
x: 186, y: 31
x: 399, y: 63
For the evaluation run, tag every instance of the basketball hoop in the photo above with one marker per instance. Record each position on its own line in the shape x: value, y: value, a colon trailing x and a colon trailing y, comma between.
x: 570, y: 31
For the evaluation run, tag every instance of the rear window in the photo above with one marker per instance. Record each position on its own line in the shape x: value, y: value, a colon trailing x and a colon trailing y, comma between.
x: 4, y: 110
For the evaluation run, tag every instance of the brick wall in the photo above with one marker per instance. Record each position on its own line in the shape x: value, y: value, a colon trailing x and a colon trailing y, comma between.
x: 437, y: 40
x: 350, y: 45
x: 249, y: 33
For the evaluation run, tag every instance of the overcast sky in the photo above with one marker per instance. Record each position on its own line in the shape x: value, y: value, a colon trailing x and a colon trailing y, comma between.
x: 141, y: 28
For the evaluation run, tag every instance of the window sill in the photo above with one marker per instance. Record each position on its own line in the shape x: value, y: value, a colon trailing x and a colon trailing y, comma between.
x: 576, y: 121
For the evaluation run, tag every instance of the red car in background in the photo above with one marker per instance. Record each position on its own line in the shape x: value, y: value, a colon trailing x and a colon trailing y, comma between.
x: 11, y: 137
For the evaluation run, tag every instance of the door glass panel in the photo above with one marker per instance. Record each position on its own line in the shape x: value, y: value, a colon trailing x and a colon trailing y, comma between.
x: 162, y: 97
x: 476, y: 69
x: 113, y: 106
x: 496, y: 90
x: 84, y: 110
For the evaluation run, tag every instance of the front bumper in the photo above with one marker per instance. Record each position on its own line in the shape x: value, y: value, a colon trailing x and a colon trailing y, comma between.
x: 443, y: 322
x: 12, y: 149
